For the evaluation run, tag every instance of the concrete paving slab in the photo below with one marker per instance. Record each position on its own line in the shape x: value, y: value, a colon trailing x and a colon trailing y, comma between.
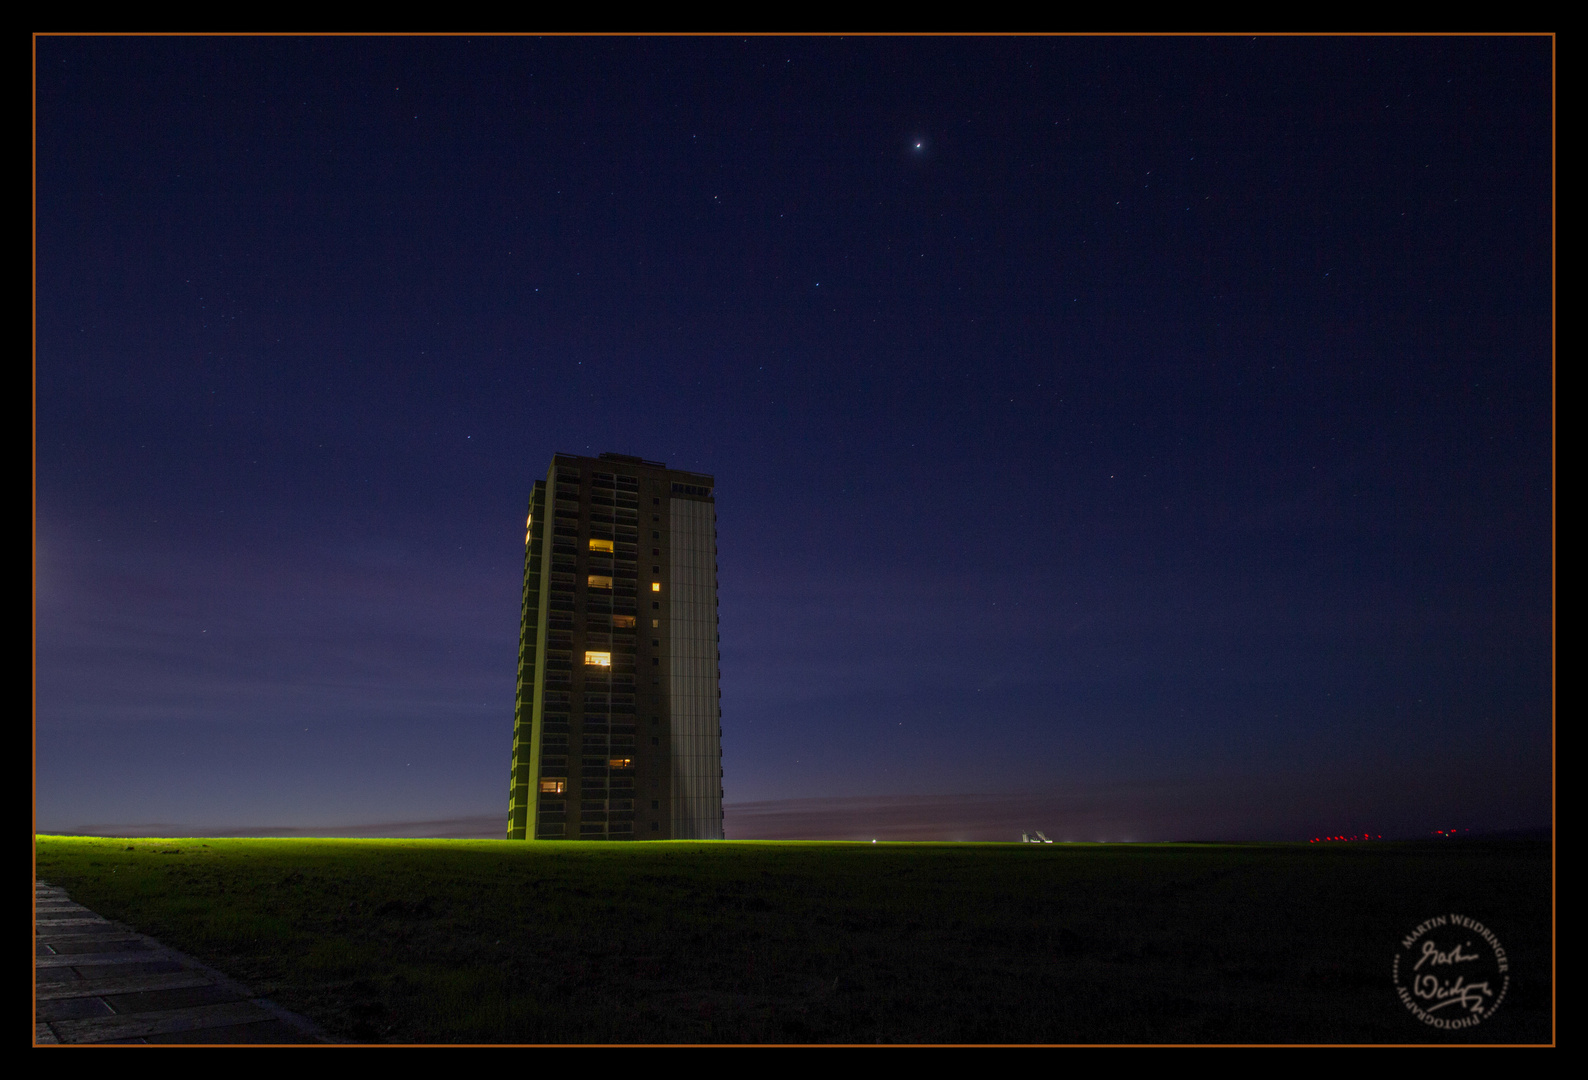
x: 118, y: 943
x: 148, y: 1001
x: 196, y: 1019
x: 131, y: 957
x: 88, y: 968
x: 75, y: 933
x: 54, y: 976
x: 75, y: 926
x: 72, y: 1009
x: 136, y: 984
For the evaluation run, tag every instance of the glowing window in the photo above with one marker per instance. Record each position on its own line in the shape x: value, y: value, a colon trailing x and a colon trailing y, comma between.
x: 600, y: 545
x: 600, y: 581
x: 553, y: 785
x: 598, y: 659
x: 656, y: 586
x: 621, y: 763
x: 623, y: 620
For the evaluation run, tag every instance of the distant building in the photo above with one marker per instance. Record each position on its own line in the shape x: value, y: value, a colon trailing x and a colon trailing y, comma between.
x: 617, y: 726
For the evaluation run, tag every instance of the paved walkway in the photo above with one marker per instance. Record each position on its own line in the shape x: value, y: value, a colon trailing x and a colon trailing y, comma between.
x: 96, y: 981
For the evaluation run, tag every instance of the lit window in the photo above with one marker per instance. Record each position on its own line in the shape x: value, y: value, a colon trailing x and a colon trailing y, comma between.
x: 623, y: 620
x: 600, y: 581
x: 656, y: 622
x: 600, y: 545
x: 621, y: 763
x: 598, y: 659
x: 656, y: 586
x: 553, y: 785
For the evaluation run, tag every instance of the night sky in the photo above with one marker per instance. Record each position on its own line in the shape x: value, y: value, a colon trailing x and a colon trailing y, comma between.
x: 1129, y: 438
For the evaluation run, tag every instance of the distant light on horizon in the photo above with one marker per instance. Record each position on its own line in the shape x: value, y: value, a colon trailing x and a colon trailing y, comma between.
x: 1345, y: 839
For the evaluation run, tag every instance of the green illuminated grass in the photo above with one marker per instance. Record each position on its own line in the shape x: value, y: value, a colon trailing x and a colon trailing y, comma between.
x: 492, y: 941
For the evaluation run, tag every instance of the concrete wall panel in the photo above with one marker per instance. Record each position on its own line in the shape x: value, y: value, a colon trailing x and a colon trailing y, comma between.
x: 692, y: 628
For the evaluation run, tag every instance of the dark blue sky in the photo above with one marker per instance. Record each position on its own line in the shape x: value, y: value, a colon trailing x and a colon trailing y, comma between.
x: 1088, y: 415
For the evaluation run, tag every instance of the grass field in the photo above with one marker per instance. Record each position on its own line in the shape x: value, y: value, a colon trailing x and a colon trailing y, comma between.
x: 491, y: 941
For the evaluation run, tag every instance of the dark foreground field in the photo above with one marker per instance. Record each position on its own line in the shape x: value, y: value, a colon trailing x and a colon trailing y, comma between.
x: 490, y: 941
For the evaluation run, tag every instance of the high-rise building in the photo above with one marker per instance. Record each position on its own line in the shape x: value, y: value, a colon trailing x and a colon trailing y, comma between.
x: 617, y: 725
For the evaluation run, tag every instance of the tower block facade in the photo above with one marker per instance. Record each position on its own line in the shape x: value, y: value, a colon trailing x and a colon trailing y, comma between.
x: 617, y: 723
